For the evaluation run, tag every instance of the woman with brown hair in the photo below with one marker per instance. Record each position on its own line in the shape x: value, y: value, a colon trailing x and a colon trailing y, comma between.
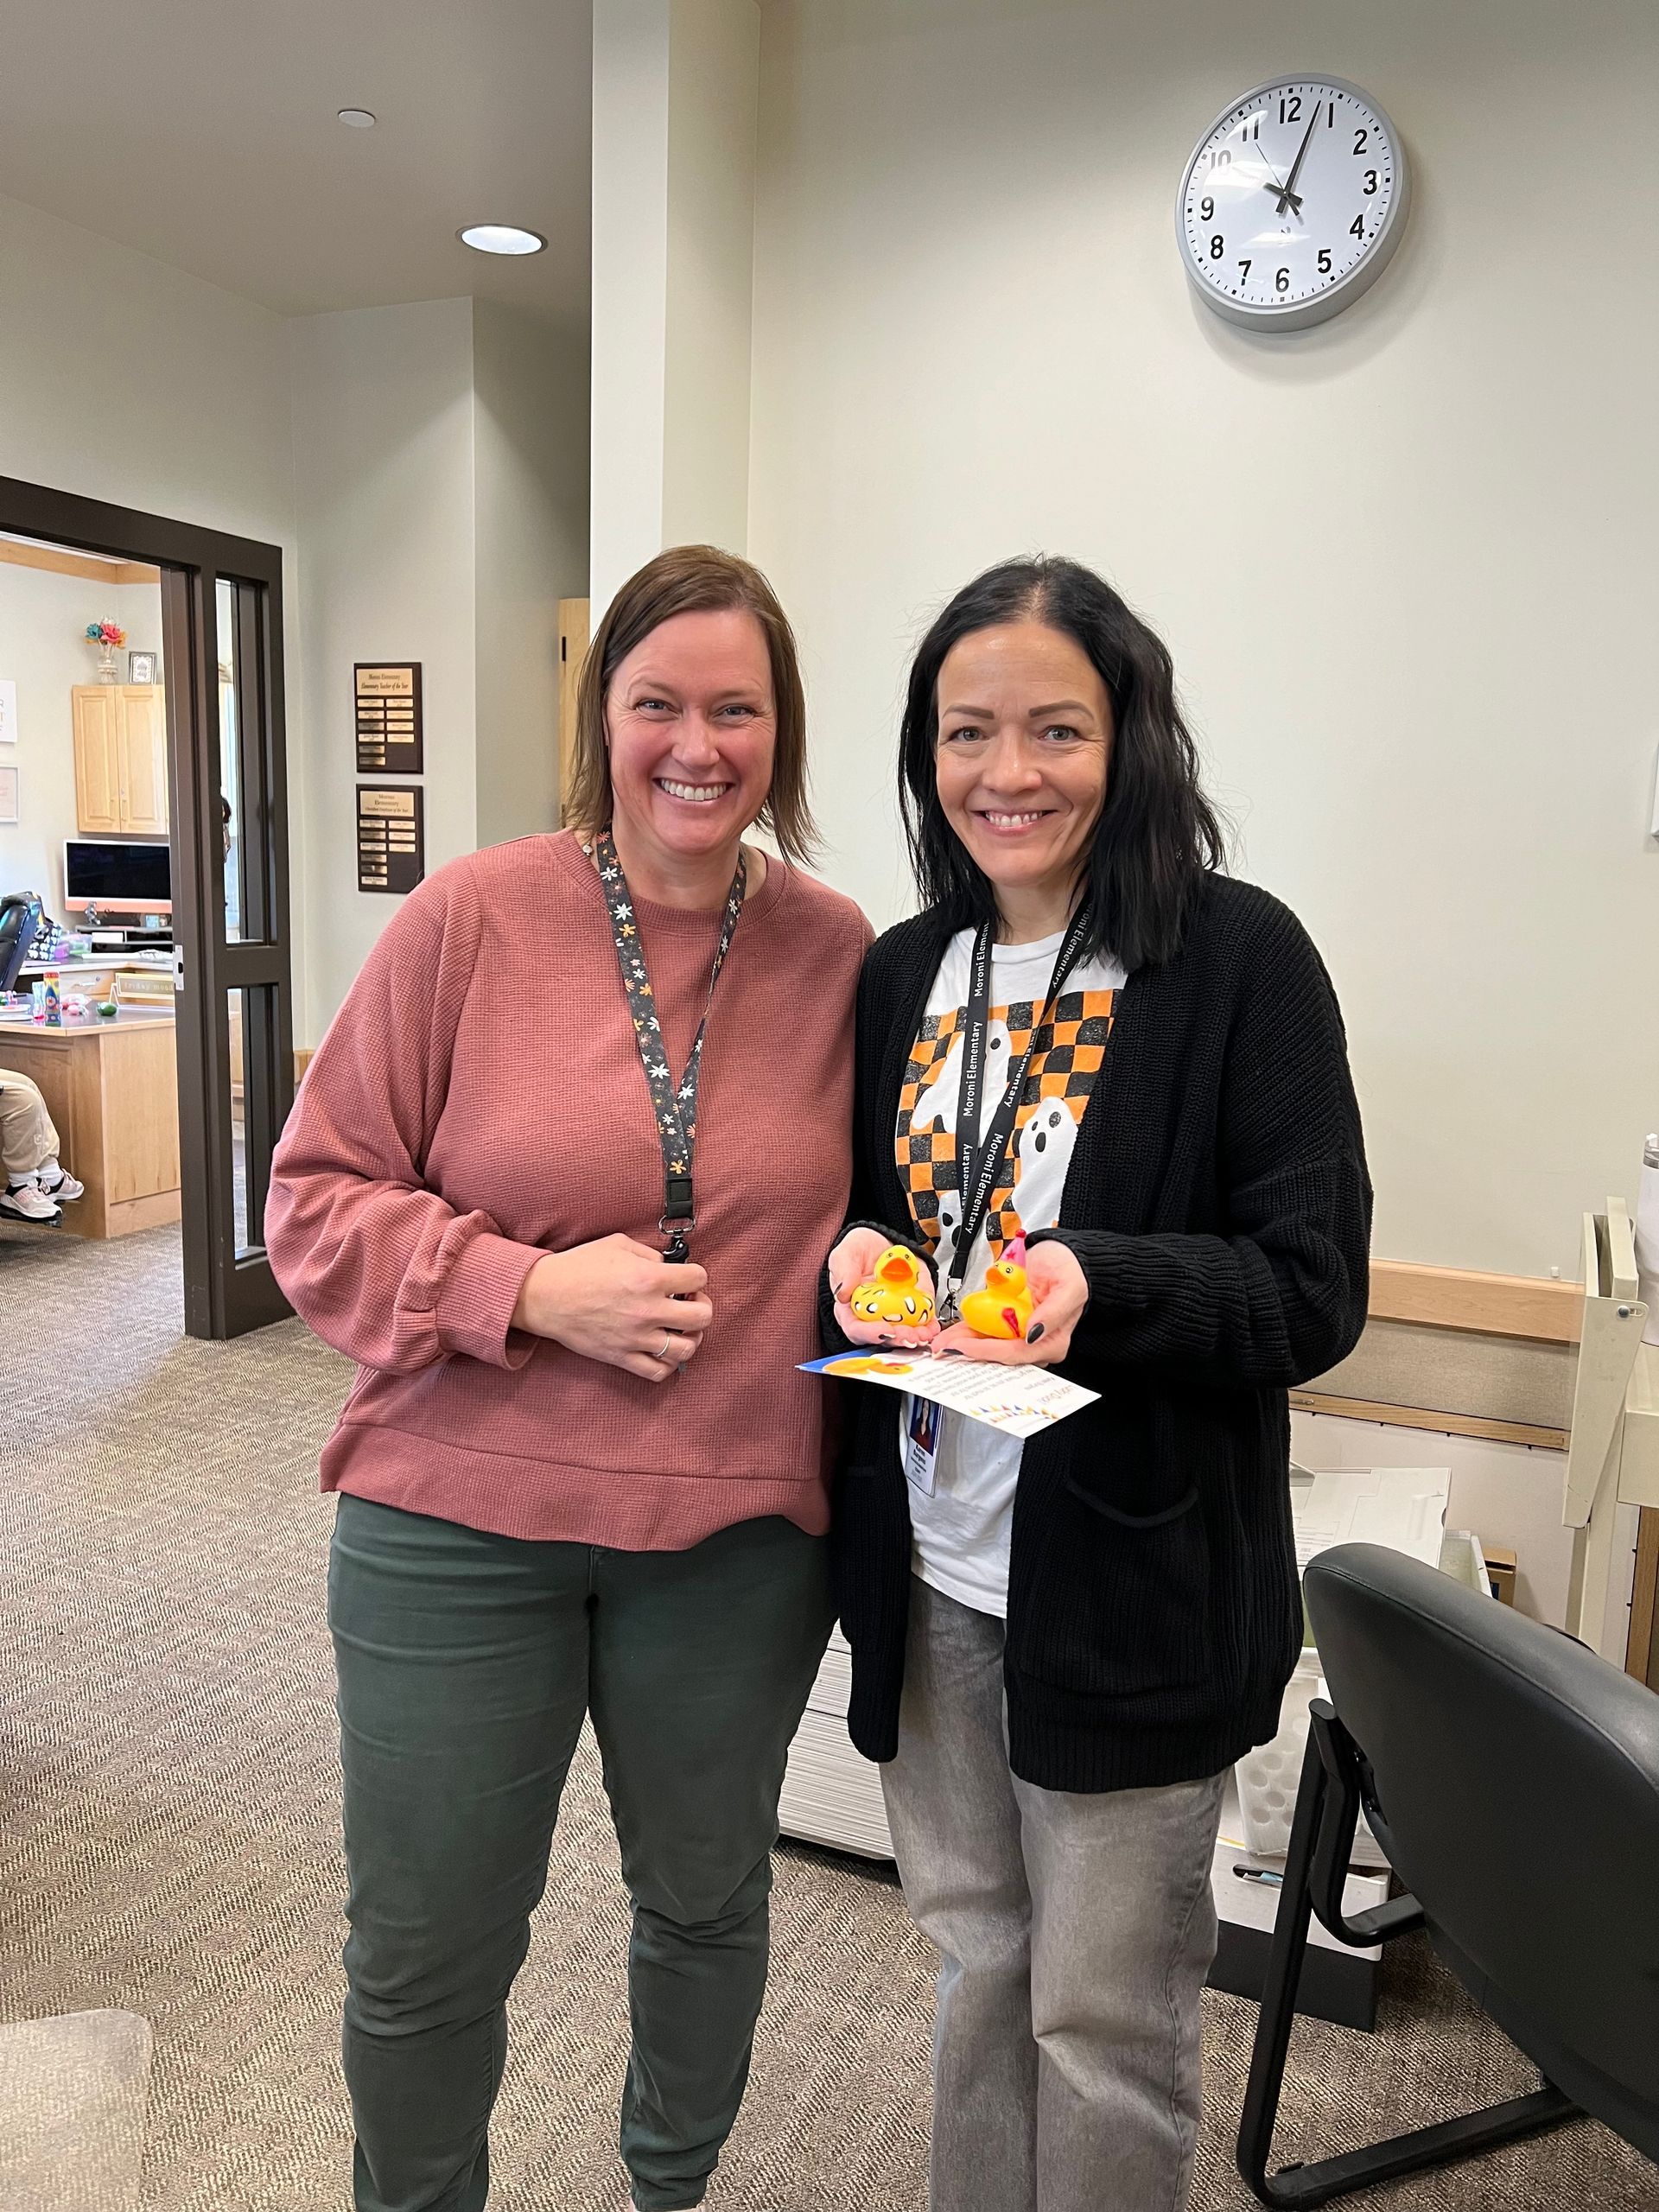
x: 556, y: 1180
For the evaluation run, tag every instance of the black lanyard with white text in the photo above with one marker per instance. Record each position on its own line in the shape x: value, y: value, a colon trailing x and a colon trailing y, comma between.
x: 979, y: 1164
x: 675, y: 1108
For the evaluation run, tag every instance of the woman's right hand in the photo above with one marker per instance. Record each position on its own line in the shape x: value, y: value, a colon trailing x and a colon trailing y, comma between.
x: 853, y: 1261
x: 619, y: 1301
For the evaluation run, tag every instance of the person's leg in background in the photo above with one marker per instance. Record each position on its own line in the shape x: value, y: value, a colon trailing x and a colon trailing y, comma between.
x: 462, y: 1662
x: 955, y: 1826
x: 35, y: 1186
x: 1123, y: 1932
x: 702, y: 1662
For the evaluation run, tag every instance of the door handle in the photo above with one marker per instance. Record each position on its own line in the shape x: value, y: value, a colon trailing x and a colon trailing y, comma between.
x: 178, y: 966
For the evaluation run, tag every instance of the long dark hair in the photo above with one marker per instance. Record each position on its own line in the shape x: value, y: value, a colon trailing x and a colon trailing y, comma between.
x: 1157, y: 832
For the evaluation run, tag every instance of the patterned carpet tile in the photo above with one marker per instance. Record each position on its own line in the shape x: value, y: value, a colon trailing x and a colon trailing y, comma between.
x: 170, y: 1836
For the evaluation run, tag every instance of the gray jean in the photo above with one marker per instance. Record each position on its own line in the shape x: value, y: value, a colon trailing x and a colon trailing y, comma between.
x: 1074, y: 1933
x: 465, y: 1664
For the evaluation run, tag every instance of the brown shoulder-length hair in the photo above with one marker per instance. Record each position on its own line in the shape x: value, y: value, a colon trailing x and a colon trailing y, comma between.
x: 694, y: 580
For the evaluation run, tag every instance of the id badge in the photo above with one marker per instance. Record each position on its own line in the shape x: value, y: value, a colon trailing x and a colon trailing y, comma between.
x: 922, y: 1422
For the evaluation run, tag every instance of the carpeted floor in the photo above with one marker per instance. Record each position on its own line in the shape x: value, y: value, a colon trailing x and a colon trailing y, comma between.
x: 168, y: 1839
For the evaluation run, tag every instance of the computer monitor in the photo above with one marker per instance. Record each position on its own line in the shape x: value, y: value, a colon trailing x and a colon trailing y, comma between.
x: 117, y: 877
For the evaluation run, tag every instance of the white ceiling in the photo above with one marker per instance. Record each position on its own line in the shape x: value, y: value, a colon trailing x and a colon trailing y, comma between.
x: 204, y: 132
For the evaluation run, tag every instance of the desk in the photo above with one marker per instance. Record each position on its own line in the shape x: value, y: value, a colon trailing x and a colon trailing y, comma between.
x: 112, y: 1088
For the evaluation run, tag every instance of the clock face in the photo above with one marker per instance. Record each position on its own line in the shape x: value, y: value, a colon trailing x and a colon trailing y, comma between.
x: 1292, y: 202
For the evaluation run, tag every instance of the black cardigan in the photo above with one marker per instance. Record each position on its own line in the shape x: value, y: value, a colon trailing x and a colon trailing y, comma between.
x: 1219, y: 1204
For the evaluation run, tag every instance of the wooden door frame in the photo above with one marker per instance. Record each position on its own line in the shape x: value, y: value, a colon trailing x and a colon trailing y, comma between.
x: 224, y: 1295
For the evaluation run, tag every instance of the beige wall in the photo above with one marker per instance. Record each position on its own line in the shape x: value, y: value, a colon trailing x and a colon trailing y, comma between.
x: 126, y: 381
x: 713, y: 73
x: 1406, y: 561
x: 43, y: 650
x: 383, y: 422
x: 530, y: 458
x: 396, y: 462
x: 675, y: 90
x: 441, y: 480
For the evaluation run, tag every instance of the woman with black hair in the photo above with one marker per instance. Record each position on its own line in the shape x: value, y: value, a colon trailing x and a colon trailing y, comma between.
x: 1093, y: 1040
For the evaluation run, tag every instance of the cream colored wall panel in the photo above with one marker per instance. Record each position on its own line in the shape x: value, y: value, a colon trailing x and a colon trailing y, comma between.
x: 1405, y: 562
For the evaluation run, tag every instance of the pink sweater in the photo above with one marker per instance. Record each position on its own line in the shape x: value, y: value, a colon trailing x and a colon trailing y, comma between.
x: 479, y: 1101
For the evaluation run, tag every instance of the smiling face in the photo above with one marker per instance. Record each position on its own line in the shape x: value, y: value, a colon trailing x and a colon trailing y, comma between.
x: 691, y: 724
x: 1023, y: 753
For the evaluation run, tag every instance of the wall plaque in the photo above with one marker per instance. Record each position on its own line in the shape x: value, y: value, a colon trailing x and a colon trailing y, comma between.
x: 388, y: 741
x: 390, y: 838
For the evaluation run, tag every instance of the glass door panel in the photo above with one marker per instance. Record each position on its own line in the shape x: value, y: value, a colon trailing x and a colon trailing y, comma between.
x: 237, y: 1072
x: 230, y: 775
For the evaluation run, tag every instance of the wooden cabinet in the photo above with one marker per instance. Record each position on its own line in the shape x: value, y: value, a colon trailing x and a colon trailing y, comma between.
x: 98, y: 781
x: 120, y: 759
x: 112, y: 1089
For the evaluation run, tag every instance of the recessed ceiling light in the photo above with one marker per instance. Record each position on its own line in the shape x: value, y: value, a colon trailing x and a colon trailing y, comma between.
x: 500, y: 238
x: 357, y: 118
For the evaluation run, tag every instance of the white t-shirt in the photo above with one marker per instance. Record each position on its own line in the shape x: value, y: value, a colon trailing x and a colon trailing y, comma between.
x: 961, y: 1529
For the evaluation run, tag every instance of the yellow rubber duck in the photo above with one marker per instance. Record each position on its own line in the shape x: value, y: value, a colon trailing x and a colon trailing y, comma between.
x: 1003, y: 1308
x: 894, y: 1294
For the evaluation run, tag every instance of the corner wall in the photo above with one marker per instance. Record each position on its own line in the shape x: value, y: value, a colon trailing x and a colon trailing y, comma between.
x: 530, y: 458
x: 383, y: 444
x: 441, y: 472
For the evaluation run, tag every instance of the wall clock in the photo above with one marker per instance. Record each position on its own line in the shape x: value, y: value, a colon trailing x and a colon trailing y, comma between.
x: 1293, y: 203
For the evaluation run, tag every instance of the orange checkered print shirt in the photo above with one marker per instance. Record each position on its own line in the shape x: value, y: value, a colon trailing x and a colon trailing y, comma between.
x: 1070, y: 1050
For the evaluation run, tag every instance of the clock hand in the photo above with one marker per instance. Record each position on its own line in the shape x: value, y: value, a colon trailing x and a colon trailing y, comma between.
x: 1296, y: 166
x: 1281, y: 191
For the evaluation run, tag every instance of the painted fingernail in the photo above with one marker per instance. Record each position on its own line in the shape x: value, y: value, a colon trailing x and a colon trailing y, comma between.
x: 1034, y: 1332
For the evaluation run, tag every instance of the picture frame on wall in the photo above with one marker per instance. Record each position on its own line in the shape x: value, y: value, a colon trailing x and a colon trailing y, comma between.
x: 142, y: 668
x: 8, y: 796
x: 8, y: 711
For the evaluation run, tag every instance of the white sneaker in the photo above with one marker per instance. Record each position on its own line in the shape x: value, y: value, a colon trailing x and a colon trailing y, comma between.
x: 27, y: 1202
x: 58, y: 1183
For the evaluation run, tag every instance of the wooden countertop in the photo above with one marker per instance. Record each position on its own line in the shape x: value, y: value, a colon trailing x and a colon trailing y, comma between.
x: 20, y: 1022
x: 96, y: 963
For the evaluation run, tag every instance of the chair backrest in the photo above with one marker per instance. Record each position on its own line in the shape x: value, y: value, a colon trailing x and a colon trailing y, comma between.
x: 20, y: 920
x: 1515, y: 1786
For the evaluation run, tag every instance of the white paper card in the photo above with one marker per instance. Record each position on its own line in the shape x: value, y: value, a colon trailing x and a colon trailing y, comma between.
x: 1019, y: 1400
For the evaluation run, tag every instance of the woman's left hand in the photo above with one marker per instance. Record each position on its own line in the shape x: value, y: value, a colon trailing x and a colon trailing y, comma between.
x: 1059, y: 1293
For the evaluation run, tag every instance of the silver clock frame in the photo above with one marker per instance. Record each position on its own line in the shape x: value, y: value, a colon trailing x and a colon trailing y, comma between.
x: 1303, y: 313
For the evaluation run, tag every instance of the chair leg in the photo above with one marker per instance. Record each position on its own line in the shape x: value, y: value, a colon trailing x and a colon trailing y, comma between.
x: 1296, y: 2186
x: 1266, y: 2079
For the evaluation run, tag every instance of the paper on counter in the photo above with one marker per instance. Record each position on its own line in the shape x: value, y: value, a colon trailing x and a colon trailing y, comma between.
x: 1019, y: 1400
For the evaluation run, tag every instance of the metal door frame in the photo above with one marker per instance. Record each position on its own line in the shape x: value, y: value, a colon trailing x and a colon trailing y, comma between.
x: 225, y: 1292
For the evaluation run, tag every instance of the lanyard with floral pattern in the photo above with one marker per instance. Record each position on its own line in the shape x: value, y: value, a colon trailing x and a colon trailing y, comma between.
x: 676, y: 1107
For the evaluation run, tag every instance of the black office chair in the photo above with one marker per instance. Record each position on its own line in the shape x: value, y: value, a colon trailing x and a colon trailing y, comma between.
x: 1512, y: 1777
x: 21, y: 918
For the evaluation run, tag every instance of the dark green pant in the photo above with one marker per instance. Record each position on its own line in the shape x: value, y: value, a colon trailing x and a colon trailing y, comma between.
x: 465, y: 1664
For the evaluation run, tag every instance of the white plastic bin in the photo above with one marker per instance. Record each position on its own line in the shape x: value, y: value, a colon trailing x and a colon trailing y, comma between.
x: 1268, y: 1776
